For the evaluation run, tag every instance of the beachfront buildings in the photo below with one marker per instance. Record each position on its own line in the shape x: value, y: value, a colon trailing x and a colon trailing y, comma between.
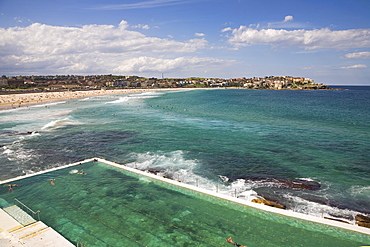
x: 75, y: 82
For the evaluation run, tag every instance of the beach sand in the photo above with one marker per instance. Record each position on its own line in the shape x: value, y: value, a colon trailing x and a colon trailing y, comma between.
x: 12, y: 101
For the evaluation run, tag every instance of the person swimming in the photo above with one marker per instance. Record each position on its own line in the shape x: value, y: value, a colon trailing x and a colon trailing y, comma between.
x: 52, y: 182
x: 11, y: 186
x: 230, y: 240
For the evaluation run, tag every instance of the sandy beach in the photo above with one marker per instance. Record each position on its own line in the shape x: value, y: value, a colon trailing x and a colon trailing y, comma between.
x: 10, y: 101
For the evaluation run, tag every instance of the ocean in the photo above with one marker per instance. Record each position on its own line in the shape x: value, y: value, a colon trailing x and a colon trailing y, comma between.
x: 308, y: 150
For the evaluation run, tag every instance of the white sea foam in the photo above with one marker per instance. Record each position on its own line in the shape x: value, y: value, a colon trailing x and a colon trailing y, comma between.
x: 301, y: 205
x: 176, y: 166
x: 28, y: 115
x: 7, y: 150
x: 48, y: 104
x: 84, y: 99
x: 34, y: 133
x: 28, y: 172
x: 360, y: 191
x: 135, y: 97
x: 172, y: 164
x: 11, y: 110
x: 17, y: 153
x: 120, y: 100
x: 307, y: 179
x: 55, y: 124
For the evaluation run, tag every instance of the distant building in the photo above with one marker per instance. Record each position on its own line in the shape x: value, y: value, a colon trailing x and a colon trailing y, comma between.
x: 15, y: 82
x: 3, y: 82
x: 120, y: 83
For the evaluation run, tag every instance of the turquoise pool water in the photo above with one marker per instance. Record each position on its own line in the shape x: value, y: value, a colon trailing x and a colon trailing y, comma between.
x: 112, y: 207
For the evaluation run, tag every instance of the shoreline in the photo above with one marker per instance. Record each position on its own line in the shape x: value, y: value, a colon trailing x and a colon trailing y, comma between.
x: 15, y: 101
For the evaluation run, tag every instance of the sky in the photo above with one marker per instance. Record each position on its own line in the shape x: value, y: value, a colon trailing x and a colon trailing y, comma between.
x: 325, y: 40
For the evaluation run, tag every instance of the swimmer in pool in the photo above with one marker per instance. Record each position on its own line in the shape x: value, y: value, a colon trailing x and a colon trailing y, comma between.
x: 230, y: 240
x: 11, y: 186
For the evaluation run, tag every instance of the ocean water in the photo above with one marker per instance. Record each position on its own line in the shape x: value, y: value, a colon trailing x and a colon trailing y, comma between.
x: 249, y: 143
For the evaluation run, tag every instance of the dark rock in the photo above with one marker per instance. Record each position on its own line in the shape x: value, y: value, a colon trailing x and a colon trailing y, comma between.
x: 298, y: 183
x: 364, y: 224
x: 362, y: 218
x: 153, y: 171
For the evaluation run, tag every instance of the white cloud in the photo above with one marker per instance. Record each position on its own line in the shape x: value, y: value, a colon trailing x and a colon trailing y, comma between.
x: 287, y: 23
x: 44, y: 40
x: 363, y: 54
x: 288, y: 18
x: 142, y: 26
x: 94, y: 49
x: 151, y: 64
x: 307, y: 39
x: 226, y: 29
x: 357, y: 66
x: 200, y: 34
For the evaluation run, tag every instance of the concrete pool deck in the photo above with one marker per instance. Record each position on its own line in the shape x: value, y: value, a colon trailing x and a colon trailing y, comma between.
x: 288, y: 213
x: 14, y: 234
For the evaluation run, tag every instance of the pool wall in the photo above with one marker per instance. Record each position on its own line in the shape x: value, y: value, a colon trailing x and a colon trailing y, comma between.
x: 288, y: 213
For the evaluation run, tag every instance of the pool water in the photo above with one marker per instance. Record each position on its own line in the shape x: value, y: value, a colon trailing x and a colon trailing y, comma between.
x: 109, y: 206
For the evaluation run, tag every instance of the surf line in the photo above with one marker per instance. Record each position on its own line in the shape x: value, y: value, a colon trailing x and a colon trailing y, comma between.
x: 284, y: 212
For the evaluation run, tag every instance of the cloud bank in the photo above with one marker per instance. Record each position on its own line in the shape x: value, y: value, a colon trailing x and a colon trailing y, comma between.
x: 356, y: 66
x: 40, y: 48
x: 306, y: 39
x: 363, y: 55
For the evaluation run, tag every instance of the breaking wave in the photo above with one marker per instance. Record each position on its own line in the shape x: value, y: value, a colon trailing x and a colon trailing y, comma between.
x: 48, y: 104
x: 135, y: 97
x: 60, y: 123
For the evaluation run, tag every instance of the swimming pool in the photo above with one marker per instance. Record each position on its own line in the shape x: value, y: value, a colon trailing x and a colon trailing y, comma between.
x: 109, y: 206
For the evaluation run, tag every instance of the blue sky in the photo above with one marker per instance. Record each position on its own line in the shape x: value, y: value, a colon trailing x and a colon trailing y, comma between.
x: 327, y: 40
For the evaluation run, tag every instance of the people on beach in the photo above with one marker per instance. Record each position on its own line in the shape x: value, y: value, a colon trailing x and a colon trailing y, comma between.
x: 230, y: 240
x: 19, y: 100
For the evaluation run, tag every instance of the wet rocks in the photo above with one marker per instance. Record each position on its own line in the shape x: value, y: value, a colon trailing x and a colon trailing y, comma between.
x: 363, y: 220
x: 153, y: 171
x: 161, y: 173
x: 298, y: 183
x: 291, y: 183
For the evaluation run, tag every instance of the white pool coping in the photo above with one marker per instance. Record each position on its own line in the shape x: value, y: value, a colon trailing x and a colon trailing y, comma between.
x: 263, y: 207
x: 44, y: 171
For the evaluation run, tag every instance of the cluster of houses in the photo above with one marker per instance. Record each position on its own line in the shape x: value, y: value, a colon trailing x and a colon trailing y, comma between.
x: 76, y: 82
